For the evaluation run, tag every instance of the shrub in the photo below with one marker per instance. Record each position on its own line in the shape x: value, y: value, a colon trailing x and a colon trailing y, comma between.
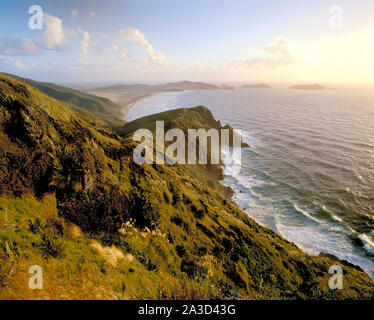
x: 201, y: 251
x: 35, y: 226
x: 52, y: 246
x: 176, y: 194
x: 176, y: 220
x: 227, y: 244
x: 198, y: 213
x: 166, y: 198
x: 192, y: 268
x: 234, y: 276
x: 147, y: 215
x: 146, y: 260
x: 180, y: 250
x: 9, y: 248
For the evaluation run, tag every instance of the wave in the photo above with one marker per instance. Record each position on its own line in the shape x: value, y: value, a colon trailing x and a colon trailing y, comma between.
x: 309, y: 171
x: 305, y: 213
x: 368, y: 243
x: 336, y: 218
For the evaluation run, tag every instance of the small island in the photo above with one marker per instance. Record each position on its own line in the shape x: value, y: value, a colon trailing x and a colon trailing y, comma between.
x: 256, y: 86
x: 308, y: 87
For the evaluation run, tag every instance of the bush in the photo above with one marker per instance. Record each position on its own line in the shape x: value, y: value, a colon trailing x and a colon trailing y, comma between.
x: 198, y: 213
x: 9, y: 248
x: 176, y: 194
x: 147, y: 215
x: 52, y: 246
x: 193, y: 270
x: 35, y: 226
x: 180, y: 250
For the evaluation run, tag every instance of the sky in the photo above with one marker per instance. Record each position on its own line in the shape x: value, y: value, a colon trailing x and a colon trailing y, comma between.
x: 221, y: 41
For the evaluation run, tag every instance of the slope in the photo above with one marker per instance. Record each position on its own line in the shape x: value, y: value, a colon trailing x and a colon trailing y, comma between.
x: 102, y: 227
x: 98, y: 109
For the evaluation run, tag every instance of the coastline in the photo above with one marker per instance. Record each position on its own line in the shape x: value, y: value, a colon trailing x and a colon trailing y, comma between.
x: 127, y: 97
x: 231, y: 192
x: 127, y: 107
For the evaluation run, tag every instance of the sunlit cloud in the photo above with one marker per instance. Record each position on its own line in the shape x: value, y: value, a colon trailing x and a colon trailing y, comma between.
x: 136, y: 37
x: 86, y: 42
x: 278, y: 53
x: 54, y: 37
x: 124, y: 53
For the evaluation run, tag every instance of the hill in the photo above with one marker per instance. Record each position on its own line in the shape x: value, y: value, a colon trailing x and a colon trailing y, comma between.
x: 184, y: 119
x: 257, y: 86
x: 170, y: 86
x: 99, y: 109
x: 308, y: 87
x: 74, y: 202
x: 127, y: 95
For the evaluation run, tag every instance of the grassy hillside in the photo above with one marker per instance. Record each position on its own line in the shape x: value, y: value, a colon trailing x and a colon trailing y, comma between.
x: 99, y: 109
x: 102, y: 227
x: 199, y: 117
x: 184, y: 119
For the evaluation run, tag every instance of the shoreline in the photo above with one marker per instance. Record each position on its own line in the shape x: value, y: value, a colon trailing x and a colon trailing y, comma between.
x: 231, y: 192
x: 127, y: 107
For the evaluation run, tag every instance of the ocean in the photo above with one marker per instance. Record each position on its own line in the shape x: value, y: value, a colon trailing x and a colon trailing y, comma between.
x: 309, y: 171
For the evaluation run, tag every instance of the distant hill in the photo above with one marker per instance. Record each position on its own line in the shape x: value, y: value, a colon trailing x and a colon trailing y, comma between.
x: 99, y: 109
x: 170, y: 86
x: 308, y: 87
x: 128, y: 94
x: 259, y: 86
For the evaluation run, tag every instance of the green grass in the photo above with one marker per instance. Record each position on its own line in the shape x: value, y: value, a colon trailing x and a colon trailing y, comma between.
x: 97, y: 109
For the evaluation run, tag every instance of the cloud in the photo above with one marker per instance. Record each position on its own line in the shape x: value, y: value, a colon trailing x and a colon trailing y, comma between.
x: 17, y: 47
x: 15, y: 63
x: 115, y: 48
x: 93, y: 14
x: 74, y: 13
x: 54, y: 37
x: 138, y: 38
x: 86, y: 42
x: 124, y: 54
x: 278, y: 53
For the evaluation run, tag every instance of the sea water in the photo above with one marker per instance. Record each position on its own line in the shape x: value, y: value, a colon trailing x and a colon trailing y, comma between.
x: 309, y: 171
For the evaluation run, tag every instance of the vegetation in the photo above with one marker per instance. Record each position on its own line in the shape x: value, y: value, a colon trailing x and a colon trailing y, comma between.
x: 102, y: 227
x: 98, y: 109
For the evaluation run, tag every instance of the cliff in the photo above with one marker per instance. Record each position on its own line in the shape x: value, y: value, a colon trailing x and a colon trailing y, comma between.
x: 102, y: 227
